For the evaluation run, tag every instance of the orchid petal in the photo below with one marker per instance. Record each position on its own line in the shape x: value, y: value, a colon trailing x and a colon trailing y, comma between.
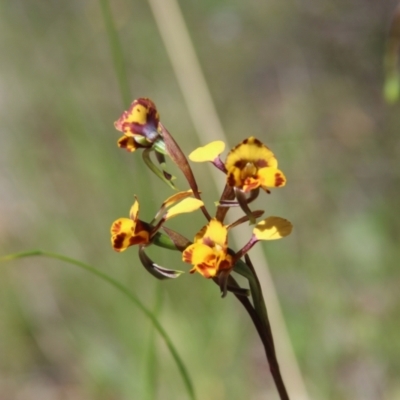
x: 271, y: 177
x: 272, y: 228
x: 209, y: 152
x: 185, y: 206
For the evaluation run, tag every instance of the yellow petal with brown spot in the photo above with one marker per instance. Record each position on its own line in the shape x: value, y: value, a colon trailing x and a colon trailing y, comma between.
x: 271, y: 177
x: 138, y: 114
x: 216, y: 233
x: 250, y: 150
x: 121, y: 233
x: 197, y: 253
x: 128, y: 143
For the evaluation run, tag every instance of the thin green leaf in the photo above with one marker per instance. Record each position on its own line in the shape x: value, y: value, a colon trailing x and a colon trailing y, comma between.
x: 116, y: 52
x: 127, y: 293
x: 152, y: 372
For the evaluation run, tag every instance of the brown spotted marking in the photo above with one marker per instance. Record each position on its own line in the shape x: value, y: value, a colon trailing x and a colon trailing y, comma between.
x: 240, y: 164
x: 119, y: 240
x: 187, y: 256
x: 208, y: 242
x: 261, y: 163
x: 116, y: 227
x: 279, y: 180
x: 257, y: 143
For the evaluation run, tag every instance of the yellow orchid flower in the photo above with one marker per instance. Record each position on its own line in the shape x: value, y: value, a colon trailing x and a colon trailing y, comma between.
x: 126, y: 232
x: 251, y: 165
x: 139, y: 122
x: 209, y: 252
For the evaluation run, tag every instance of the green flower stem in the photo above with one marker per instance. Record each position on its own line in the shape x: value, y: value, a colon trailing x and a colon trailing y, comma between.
x: 261, y: 322
x: 127, y: 293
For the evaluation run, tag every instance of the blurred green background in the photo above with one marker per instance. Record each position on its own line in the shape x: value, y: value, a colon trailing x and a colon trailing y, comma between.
x: 305, y: 77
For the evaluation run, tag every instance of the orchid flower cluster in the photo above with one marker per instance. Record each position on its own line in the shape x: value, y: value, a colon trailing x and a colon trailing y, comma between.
x: 249, y: 167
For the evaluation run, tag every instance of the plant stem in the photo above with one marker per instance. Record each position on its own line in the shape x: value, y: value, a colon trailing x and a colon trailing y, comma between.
x: 260, y: 319
x: 261, y: 310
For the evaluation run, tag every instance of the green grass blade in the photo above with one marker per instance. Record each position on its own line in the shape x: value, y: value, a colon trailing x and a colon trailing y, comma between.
x: 116, y: 52
x: 127, y: 293
x: 151, y: 378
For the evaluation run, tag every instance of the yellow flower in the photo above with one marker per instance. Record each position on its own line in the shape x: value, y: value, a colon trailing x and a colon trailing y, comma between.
x: 139, y: 125
x: 209, y: 252
x: 251, y: 165
x: 126, y: 232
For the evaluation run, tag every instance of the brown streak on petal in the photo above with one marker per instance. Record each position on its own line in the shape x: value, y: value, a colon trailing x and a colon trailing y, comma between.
x: 251, y: 184
x: 118, y: 241
x: 208, y: 242
x: 204, y: 268
x: 240, y: 164
x: 187, y: 256
x: 279, y: 180
x: 116, y: 227
x: 257, y: 142
x: 261, y: 163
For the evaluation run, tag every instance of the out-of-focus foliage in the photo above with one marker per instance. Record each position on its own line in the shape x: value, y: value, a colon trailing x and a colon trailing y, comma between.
x: 391, y: 87
x: 304, y: 77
